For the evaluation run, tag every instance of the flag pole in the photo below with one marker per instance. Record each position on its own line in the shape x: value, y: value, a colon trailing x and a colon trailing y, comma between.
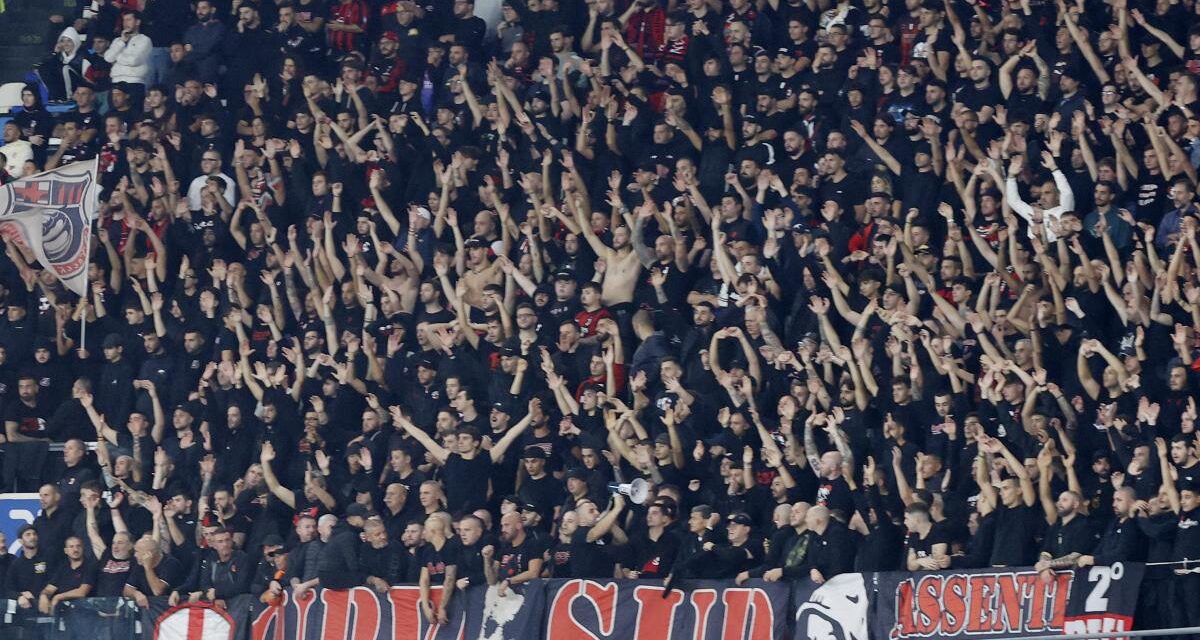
x: 88, y: 260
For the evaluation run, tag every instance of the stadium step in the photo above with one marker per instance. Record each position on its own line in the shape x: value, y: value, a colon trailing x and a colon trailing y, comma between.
x: 27, y: 20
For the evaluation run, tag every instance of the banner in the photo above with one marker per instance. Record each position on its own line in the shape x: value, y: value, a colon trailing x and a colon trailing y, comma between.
x: 194, y: 622
x: 50, y: 214
x: 561, y: 609
x: 363, y: 614
x: 839, y: 608
x: 991, y: 603
x: 644, y: 610
x: 16, y: 510
x: 197, y: 621
x: 979, y: 603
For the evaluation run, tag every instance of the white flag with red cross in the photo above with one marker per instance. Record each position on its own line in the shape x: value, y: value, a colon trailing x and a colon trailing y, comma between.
x: 51, y: 214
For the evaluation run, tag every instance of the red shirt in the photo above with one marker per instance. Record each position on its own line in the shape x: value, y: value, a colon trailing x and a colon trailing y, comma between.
x: 644, y: 33
x: 587, y: 320
x: 674, y: 51
x: 602, y: 380
x: 349, y: 13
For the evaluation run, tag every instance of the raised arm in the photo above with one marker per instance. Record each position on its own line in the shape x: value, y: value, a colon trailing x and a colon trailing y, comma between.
x: 279, y: 491
x: 439, y: 453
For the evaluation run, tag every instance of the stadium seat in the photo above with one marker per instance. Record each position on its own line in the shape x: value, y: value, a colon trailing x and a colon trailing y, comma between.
x: 10, y: 95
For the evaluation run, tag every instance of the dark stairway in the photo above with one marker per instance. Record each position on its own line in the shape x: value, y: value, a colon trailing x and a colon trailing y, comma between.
x: 25, y: 24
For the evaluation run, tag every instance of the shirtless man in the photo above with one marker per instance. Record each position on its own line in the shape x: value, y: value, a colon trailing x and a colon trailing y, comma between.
x: 480, y: 271
x: 622, y: 264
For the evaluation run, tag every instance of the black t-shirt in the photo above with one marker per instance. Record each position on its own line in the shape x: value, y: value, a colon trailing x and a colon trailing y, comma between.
x: 1075, y: 536
x: 923, y: 547
x: 920, y: 189
x: 545, y: 493
x: 654, y: 558
x: 169, y: 570
x: 29, y: 574
x: 977, y: 99
x: 560, y: 559
x: 1187, y: 539
x: 835, y: 494
x: 467, y: 481
x: 589, y: 559
x: 68, y: 578
x: 848, y: 192
x: 470, y: 562
x: 111, y: 575
x: 436, y: 560
x: 1015, y: 531
x: 1151, y: 197
x: 516, y: 559
x: 31, y: 421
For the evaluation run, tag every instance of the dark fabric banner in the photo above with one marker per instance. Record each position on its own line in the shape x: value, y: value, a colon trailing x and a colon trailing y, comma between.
x: 638, y: 610
x: 838, y: 609
x: 559, y: 609
x: 358, y: 614
x: 986, y: 604
x: 363, y: 614
x: 991, y: 603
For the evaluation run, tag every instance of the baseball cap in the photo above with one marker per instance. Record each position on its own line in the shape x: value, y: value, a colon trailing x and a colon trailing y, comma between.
x: 575, y: 473
x: 740, y: 517
x: 511, y: 348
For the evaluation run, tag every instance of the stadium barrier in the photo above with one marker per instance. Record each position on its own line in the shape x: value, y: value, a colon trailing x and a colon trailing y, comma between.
x: 1093, y: 602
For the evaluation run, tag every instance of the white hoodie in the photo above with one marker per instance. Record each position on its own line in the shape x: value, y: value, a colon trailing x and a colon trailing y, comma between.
x: 77, y: 40
x: 130, y: 60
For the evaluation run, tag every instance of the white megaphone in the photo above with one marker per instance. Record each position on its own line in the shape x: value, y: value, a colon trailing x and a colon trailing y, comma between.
x: 637, y: 491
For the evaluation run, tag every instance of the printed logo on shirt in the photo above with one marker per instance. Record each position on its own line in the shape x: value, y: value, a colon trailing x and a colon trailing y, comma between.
x: 823, y: 494
x: 116, y: 566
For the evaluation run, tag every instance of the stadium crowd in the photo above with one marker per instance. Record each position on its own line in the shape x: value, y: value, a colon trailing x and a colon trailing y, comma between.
x: 382, y: 292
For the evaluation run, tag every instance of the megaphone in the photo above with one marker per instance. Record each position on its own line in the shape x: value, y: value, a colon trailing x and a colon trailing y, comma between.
x: 637, y: 491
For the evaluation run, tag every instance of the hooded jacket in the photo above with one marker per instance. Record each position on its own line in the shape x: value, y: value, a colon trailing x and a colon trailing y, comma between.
x: 63, y: 71
x: 130, y: 59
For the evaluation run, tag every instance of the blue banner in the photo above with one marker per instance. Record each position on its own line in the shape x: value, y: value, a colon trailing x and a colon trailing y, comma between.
x: 17, y: 509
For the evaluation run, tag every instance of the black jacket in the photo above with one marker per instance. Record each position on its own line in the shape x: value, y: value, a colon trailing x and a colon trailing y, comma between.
x: 338, y: 567
x: 789, y: 551
x: 27, y: 574
x: 227, y: 579
x: 389, y: 563
x: 689, y: 559
x: 831, y: 553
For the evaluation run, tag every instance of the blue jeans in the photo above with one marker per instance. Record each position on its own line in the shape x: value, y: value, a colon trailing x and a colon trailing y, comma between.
x: 160, y: 66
